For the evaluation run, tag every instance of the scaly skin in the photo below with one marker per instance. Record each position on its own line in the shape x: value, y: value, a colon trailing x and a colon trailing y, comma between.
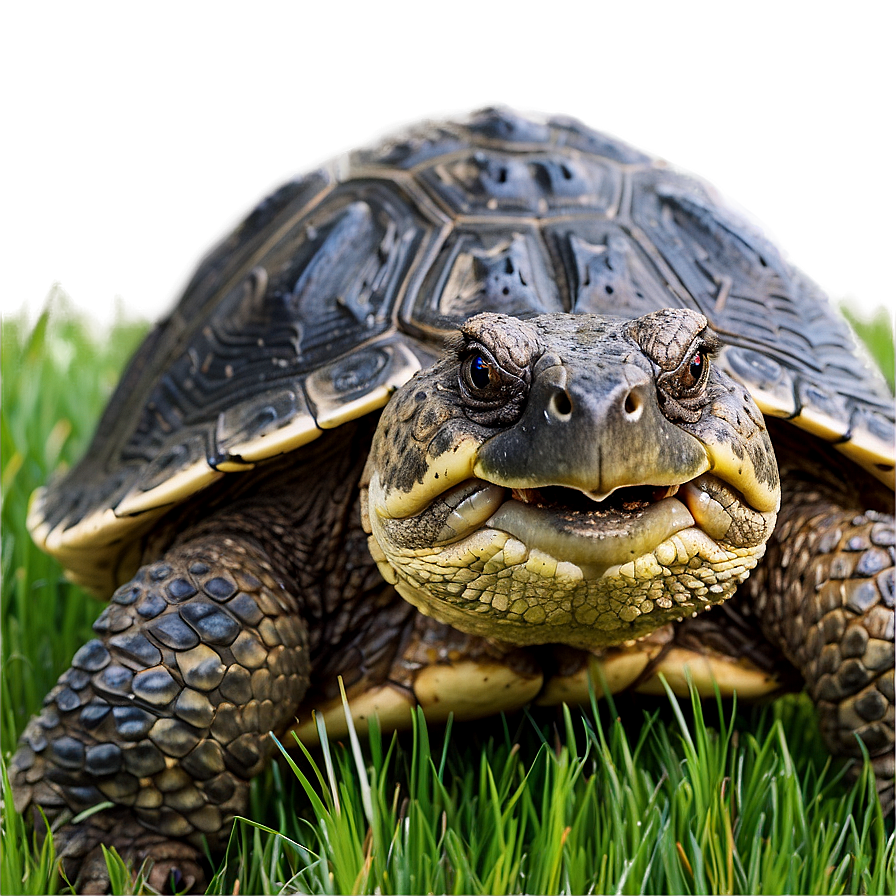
x: 824, y: 595
x: 167, y: 712
x: 202, y: 653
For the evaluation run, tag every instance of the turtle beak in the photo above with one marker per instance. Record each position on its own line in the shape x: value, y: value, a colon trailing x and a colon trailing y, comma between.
x: 595, y: 428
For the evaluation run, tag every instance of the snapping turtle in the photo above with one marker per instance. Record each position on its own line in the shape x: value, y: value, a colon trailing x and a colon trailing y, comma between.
x: 470, y: 419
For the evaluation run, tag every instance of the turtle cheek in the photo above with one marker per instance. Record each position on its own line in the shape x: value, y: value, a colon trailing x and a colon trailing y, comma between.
x: 723, y: 514
x: 424, y: 444
x: 449, y: 517
x: 732, y: 430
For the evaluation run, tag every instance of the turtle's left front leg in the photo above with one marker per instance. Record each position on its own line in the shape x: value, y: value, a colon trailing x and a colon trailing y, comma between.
x: 824, y: 595
x: 166, y: 713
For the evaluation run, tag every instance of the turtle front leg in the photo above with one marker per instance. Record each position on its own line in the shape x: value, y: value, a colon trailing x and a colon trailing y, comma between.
x: 824, y: 594
x: 166, y: 713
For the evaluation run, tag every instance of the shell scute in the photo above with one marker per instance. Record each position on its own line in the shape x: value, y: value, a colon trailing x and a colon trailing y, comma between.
x: 486, y: 182
x: 177, y: 472
x: 232, y: 258
x: 506, y: 127
x: 572, y: 133
x: 407, y: 150
x: 477, y: 269
x: 241, y: 429
x: 359, y: 383
x: 771, y: 385
x: 603, y: 266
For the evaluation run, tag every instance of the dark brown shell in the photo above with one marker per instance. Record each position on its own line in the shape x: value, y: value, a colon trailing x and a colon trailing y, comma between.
x: 336, y: 288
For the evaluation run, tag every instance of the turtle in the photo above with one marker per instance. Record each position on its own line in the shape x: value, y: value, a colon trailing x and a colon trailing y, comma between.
x: 500, y: 410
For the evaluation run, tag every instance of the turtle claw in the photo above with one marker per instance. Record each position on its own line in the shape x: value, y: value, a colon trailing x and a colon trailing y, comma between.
x: 176, y: 875
x: 165, y: 876
x: 167, y: 866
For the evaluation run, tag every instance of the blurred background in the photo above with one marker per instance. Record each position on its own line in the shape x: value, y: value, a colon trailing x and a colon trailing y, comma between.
x: 137, y: 135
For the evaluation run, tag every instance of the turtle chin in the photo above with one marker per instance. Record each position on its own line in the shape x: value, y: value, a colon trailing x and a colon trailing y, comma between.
x: 556, y: 565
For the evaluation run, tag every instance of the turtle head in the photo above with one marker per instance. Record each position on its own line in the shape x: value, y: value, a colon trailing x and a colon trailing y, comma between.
x: 571, y: 479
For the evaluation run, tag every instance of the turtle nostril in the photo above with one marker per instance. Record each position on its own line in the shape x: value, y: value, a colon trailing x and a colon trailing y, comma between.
x: 561, y: 404
x: 633, y: 405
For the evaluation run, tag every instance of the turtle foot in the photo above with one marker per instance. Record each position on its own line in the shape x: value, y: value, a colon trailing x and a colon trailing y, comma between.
x: 167, y: 866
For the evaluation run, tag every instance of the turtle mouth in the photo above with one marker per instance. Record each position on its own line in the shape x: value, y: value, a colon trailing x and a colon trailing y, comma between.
x: 588, y: 529
x: 560, y: 499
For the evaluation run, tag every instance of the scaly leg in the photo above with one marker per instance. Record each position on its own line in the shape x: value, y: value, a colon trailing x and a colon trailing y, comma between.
x: 166, y: 713
x: 824, y: 594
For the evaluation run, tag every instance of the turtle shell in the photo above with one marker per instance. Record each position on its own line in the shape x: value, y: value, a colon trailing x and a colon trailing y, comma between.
x: 343, y: 283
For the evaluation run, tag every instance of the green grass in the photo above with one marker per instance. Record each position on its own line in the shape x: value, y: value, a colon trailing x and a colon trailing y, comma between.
x: 587, y: 803
x: 877, y: 334
x: 649, y: 795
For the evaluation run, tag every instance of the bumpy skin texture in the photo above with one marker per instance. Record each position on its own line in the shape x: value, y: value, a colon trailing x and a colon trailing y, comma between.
x: 825, y: 596
x: 206, y: 650
x: 594, y: 405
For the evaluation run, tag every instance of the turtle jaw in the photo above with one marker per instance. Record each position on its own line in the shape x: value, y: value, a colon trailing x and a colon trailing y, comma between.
x: 592, y: 532
x: 598, y: 533
x: 566, y: 522
x: 551, y: 565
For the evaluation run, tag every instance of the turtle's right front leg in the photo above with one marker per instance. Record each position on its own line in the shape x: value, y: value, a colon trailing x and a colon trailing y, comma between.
x: 166, y: 713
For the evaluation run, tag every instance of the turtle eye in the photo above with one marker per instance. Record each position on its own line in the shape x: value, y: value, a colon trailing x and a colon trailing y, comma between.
x: 690, y: 377
x: 491, y: 394
x: 695, y: 369
x: 479, y: 373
